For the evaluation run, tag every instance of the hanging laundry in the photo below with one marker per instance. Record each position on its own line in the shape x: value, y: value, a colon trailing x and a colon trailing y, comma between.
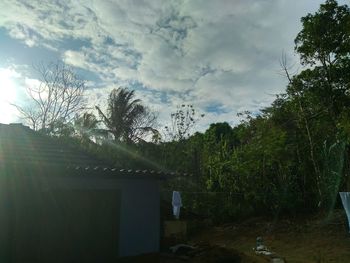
x: 345, y: 198
x: 177, y: 203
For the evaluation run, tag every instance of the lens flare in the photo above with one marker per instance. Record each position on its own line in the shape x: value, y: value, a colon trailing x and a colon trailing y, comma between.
x: 8, y: 95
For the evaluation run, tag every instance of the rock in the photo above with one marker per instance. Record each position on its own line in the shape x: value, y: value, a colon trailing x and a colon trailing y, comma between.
x: 181, y: 249
x: 277, y: 260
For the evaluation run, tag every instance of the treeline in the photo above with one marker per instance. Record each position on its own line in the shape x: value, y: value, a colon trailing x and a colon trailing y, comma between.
x: 293, y: 157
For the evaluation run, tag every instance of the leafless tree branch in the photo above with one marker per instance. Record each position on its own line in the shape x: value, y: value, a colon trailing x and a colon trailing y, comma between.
x: 59, y: 96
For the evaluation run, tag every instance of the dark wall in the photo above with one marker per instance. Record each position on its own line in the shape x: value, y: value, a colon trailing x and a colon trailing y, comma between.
x: 140, y: 217
x: 76, y: 219
x: 20, y: 211
x: 139, y: 228
x: 4, y: 222
x: 85, y: 221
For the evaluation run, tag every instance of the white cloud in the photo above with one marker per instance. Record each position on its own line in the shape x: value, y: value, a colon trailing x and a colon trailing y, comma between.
x: 201, y: 52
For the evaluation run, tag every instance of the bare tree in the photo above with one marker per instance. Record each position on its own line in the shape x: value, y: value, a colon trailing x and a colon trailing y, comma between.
x: 58, y: 97
x: 182, y: 122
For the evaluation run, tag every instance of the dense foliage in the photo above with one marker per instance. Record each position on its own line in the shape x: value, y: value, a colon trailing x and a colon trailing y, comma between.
x: 291, y: 158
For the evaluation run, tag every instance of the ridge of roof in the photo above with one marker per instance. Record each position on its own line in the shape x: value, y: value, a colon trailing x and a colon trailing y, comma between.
x: 117, y: 171
x: 19, y: 143
x: 22, y: 146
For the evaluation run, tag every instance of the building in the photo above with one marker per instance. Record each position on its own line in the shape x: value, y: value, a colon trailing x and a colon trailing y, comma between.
x: 59, y: 204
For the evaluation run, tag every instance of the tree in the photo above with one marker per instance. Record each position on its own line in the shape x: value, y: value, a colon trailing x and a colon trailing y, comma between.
x: 324, y: 44
x: 324, y: 47
x: 182, y: 122
x: 86, y: 126
x: 126, y: 118
x: 325, y: 36
x: 58, y: 97
x: 298, y: 94
x: 220, y: 131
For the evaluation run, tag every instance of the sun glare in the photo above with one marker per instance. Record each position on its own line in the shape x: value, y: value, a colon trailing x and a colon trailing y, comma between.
x: 8, y: 95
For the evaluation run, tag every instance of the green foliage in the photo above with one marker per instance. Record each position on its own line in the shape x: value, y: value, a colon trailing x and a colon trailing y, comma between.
x: 290, y: 158
x: 59, y: 128
x: 127, y: 119
x: 325, y: 36
x: 86, y: 127
x: 334, y: 157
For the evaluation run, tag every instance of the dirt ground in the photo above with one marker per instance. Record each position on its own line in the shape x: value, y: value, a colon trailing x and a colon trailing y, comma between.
x: 215, y: 254
x: 306, y: 239
x: 313, y: 239
x: 203, y: 254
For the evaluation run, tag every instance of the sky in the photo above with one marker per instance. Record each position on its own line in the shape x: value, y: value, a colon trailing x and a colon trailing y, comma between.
x: 220, y: 56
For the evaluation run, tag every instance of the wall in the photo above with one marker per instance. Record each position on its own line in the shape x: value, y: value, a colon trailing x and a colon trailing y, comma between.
x: 5, y: 219
x: 30, y: 209
x: 139, y: 228
x: 140, y: 219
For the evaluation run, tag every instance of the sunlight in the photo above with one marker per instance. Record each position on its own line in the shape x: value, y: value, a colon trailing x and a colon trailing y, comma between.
x: 8, y: 95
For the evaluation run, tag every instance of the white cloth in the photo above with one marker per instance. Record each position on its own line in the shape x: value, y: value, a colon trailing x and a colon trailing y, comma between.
x: 177, y: 203
x: 345, y: 198
x: 176, y: 199
x: 176, y: 211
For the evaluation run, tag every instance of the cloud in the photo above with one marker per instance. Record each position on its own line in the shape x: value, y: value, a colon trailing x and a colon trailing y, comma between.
x: 219, y: 55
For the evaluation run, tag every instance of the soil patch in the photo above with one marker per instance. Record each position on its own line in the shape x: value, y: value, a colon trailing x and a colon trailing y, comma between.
x: 301, y: 240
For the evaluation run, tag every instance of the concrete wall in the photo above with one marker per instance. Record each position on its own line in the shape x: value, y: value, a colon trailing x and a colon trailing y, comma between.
x: 139, y: 227
x: 140, y: 217
x: 22, y: 199
x: 5, y: 220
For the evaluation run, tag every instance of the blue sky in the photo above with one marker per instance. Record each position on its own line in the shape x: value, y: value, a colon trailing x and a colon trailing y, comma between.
x: 221, y: 56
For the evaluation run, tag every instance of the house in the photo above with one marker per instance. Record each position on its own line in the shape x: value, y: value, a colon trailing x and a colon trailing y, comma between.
x: 60, y: 204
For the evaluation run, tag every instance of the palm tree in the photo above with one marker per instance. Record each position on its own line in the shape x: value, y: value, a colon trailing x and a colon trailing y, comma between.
x: 86, y: 126
x: 126, y: 118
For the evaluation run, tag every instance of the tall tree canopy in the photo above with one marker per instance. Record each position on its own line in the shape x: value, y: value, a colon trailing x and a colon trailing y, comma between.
x: 126, y: 118
x: 324, y: 45
x: 325, y: 36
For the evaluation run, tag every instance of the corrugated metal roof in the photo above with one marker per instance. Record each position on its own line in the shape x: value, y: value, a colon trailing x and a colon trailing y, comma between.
x: 123, y: 172
x: 23, y: 148
x: 19, y: 144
